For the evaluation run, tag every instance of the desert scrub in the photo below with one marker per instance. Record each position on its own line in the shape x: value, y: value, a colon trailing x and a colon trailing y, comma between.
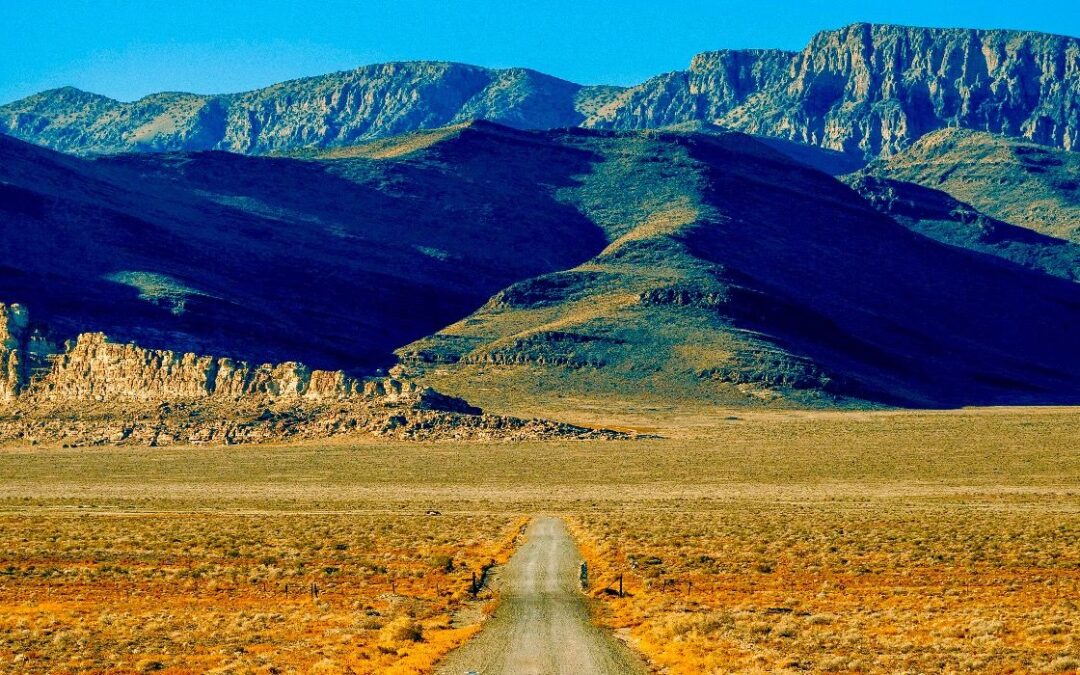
x: 940, y: 539
x: 877, y: 587
x: 278, y: 592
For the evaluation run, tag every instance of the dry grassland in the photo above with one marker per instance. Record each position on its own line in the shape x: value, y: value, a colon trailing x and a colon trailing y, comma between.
x: 878, y: 587
x: 193, y: 593
x: 750, y: 542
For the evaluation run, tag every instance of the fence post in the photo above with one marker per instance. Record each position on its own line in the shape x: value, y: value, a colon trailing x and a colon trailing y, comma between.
x: 620, y: 587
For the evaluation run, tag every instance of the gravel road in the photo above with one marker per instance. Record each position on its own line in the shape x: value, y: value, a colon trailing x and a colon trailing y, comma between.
x: 542, y: 624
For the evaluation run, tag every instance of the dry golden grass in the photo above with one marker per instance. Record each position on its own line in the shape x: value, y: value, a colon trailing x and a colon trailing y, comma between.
x: 875, y: 542
x: 191, y: 593
x: 396, y: 146
x: 877, y: 587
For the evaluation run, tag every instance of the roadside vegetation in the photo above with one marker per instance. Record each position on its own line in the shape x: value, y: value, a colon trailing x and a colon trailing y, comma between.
x: 200, y: 592
x: 882, y: 586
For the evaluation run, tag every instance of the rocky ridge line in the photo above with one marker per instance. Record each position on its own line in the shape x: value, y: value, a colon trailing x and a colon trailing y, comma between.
x: 865, y: 89
x: 873, y: 89
x: 337, y: 109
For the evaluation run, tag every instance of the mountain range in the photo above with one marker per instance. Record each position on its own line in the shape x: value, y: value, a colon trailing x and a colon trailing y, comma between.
x: 886, y: 218
x: 864, y: 89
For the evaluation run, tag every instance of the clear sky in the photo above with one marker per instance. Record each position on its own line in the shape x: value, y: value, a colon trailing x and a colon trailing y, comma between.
x: 129, y: 48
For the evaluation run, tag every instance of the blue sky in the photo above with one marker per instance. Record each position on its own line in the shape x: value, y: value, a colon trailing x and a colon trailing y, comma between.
x: 129, y: 48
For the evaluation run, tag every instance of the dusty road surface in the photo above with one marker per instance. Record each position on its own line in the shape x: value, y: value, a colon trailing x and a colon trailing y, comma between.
x: 542, y: 625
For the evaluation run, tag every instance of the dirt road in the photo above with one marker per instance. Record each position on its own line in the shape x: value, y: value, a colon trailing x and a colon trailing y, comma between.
x: 542, y: 625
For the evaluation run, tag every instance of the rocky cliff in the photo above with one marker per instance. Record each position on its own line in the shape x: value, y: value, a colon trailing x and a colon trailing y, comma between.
x: 24, y: 351
x: 873, y: 89
x: 716, y: 83
x: 98, y: 391
x: 866, y: 89
x: 93, y: 368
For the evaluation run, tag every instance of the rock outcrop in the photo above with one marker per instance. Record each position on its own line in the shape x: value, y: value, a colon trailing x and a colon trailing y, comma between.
x: 93, y: 368
x: 255, y: 420
x: 97, y: 391
x: 13, y: 325
x: 24, y: 351
x: 867, y: 89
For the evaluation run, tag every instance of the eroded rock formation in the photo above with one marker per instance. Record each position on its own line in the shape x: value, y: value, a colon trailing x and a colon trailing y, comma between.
x: 874, y: 89
x: 97, y: 391
x: 24, y: 351
x: 93, y: 368
x: 13, y: 323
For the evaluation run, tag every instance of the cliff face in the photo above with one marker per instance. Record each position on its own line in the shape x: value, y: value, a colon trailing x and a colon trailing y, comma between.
x: 24, y: 351
x: 870, y: 89
x: 874, y: 89
x: 13, y: 324
x: 716, y: 83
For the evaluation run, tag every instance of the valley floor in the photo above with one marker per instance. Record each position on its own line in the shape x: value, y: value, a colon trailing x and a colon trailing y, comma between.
x: 745, y: 541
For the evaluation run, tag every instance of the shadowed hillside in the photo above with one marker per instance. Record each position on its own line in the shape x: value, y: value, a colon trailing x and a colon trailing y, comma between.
x: 334, y: 263
x: 517, y: 265
x: 733, y: 274
x: 1025, y: 184
x: 940, y: 216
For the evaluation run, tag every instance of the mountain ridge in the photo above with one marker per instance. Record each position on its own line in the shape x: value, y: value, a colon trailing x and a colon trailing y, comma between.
x: 339, y: 108
x: 868, y: 89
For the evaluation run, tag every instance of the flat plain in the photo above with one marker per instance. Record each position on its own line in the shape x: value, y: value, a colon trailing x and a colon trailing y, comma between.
x: 746, y: 541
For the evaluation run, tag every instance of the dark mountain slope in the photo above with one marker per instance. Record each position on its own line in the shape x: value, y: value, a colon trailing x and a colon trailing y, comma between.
x: 332, y: 262
x: 734, y: 274
x: 832, y: 162
x: 998, y: 195
x: 940, y: 216
x: 682, y: 266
